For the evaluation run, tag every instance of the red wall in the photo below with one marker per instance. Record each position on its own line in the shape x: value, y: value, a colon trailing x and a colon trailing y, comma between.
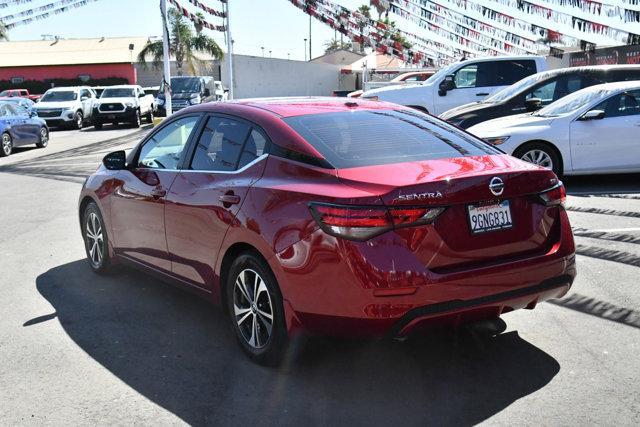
x: 96, y: 71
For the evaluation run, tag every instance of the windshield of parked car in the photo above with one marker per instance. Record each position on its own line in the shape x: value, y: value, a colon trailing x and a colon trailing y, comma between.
x: 59, y: 96
x: 377, y: 137
x: 516, y: 88
x: 185, y: 85
x: 572, y: 102
x: 118, y: 92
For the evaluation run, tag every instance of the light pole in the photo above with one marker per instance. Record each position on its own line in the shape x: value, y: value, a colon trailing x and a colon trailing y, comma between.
x: 229, y: 50
x: 262, y: 51
x: 309, y: 37
x: 269, y: 54
x: 305, y: 49
x: 166, y: 59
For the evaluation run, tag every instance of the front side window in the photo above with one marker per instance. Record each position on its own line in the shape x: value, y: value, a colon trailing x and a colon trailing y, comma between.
x: 366, y: 138
x: 622, y: 104
x: 164, y: 149
x: 466, y: 77
x: 20, y: 110
x: 221, y: 145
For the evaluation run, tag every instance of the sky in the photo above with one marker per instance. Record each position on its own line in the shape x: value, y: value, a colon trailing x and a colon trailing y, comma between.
x: 277, y: 25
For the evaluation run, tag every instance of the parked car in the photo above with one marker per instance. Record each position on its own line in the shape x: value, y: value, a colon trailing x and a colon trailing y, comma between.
x: 20, y: 127
x: 594, y: 130
x: 23, y: 102
x: 186, y: 91
x: 337, y: 217
x: 461, y: 83
x: 123, y: 104
x: 536, y: 91
x: 404, y: 78
x: 19, y: 93
x: 67, y: 106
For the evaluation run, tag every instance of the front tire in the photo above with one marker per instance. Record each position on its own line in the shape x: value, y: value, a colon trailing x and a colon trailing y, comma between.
x: 78, y: 121
x: 256, y: 311
x: 96, y: 241
x: 43, y: 138
x: 540, y: 154
x: 150, y: 116
x: 136, y: 119
x: 7, y: 145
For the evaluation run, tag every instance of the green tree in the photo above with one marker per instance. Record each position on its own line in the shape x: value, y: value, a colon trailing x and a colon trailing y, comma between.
x: 393, y: 33
x: 335, y: 44
x: 3, y: 32
x: 363, y: 22
x: 184, y: 43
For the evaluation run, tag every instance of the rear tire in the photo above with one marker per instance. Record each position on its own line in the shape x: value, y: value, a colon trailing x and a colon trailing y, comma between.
x: 96, y: 241
x: 43, y: 138
x: 150, y: 116
x: 7, y: 145
x: 540, y: 154
x: 255, y: 309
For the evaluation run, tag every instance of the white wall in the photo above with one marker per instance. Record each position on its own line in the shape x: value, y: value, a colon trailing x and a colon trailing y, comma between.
x: 262, y: 77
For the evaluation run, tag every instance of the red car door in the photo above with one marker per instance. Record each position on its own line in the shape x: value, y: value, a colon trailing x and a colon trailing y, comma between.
x: 138, y: 202
x: 205, y: 197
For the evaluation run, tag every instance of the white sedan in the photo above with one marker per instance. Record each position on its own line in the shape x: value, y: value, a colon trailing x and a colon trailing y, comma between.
x: 594, y: 130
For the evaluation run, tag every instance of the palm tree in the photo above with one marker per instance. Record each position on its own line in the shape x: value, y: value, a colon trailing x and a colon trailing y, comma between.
x: 3, y: 32
x: 363, y: 22
x: 183, y: 45
x: 335, y: 44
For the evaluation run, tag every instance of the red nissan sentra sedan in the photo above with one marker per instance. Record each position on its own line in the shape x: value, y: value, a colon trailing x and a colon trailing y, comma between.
x: 330, y: 216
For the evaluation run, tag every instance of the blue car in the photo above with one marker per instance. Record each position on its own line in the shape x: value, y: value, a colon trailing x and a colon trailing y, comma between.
x: 20, y: 127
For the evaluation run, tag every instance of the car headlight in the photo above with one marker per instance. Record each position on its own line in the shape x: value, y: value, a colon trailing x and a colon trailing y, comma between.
x: 496, y: 140
x: 195, y: 100
x: 160, y: 101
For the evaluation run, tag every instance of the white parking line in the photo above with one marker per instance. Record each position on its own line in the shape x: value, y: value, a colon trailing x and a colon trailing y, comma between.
x: 616, y: 230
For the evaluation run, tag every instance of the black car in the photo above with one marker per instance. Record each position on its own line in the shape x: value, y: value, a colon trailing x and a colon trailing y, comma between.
x: 537, y: 91
x: 185, y: 91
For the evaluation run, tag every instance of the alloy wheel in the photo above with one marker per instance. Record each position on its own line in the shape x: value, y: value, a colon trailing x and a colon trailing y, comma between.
x: 538, y: 157
x: 94, y: 239
x: 79, y: 120
x: 253, y: 308
x: 7, y: 145
x: 44, y: 137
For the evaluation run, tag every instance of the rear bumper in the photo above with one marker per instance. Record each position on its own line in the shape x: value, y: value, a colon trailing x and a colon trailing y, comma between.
x: 339, y: 288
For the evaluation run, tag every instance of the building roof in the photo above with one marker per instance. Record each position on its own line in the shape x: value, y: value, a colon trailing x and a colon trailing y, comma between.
x: 339, y: 57
x: 70, y: 51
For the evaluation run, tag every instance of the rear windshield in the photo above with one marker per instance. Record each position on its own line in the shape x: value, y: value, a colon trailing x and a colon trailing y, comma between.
x: 365, y: 138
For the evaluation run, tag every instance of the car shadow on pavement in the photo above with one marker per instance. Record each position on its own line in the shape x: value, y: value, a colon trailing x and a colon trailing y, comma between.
x: 178, y: 351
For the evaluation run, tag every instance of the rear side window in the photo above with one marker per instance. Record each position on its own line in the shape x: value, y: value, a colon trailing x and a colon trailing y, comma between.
x: 364, y: 138
x: 509, y: 72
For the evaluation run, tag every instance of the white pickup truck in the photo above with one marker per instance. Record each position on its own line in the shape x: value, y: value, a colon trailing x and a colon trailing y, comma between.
x: 123, y: 103
x: 461, y: 83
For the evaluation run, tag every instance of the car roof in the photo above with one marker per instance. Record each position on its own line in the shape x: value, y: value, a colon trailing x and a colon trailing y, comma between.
x: 633, y: 84
x: 67, y: 88
x: 298, y: 106
x: 500, y: 58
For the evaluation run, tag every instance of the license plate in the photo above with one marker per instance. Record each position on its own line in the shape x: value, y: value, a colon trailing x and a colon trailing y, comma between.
x: 111, y: 116
x: 483, y: 218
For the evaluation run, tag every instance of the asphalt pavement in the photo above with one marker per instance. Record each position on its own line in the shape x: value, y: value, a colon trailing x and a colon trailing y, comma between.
x: 82, y: 349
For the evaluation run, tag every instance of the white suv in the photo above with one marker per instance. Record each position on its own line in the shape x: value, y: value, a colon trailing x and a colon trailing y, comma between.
x: 67, y: 106
x: 460, y: 83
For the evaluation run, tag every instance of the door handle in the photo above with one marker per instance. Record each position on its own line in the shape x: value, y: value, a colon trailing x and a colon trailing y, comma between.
x: 229, y: 199
x: 482, y: 94
x: 157, y: 193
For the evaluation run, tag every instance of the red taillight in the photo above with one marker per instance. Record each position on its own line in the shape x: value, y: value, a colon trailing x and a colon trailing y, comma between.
x: 364, y: 222
x: 554, y: 196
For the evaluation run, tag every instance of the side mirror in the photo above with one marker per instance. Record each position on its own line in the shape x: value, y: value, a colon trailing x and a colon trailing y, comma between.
x: 84, y: 98
x: 446, y: 85
x: 33, y: 113
x: 207, y: 92
x: 115, y: 161
x: 593, y: 115
x: 533, y: 104
x: 141, y: 95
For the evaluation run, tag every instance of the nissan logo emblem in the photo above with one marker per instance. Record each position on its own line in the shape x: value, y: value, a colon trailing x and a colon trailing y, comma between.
x: 496, y: 186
